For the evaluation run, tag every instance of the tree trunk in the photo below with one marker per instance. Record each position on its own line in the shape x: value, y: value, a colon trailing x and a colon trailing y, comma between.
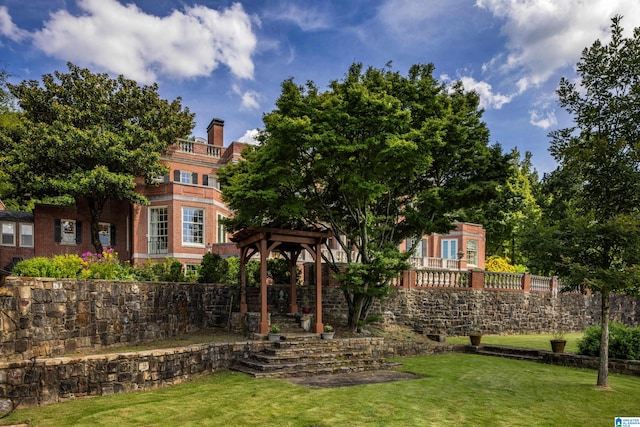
x: 95, y: 208
x: 603, y: 368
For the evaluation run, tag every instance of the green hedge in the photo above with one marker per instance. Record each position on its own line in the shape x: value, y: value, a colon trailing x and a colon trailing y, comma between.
x: 624, y: 342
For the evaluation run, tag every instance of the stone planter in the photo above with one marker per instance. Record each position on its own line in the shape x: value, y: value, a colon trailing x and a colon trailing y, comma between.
x: 475, y: 339
x: 557, y: 346
x: 273, y: 336
x: 327, y: 335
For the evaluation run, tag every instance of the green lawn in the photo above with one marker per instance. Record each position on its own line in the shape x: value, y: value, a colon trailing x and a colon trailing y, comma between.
x: 537, y: 341
x: 456, y: 390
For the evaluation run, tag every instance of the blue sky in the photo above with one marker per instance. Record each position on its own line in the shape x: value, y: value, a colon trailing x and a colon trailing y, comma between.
x: 227, y: 59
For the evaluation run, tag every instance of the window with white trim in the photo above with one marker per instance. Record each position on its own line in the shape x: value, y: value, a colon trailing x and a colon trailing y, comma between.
x: 192, y: 226
x: 472, y: 252
x: 104, y: 231
x: 221, y: 235
x: 158, y: 230
x: 420, y: 246
x: 26, y: 235
x: 68, y: 231
x: 8, y: 234
x: 449, y: 248
x: 185, y: 177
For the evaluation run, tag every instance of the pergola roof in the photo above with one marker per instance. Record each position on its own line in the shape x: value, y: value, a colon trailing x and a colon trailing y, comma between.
x: 289, y: 240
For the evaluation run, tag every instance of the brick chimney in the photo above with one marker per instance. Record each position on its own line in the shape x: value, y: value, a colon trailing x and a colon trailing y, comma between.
x: 215, y: 132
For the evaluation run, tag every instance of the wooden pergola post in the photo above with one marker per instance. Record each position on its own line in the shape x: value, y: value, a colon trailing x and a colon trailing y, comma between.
x: 318, y: 259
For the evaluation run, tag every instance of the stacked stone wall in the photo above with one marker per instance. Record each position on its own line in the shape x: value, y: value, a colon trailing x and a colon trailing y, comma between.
x: 456, y: 311
x: 54, y: 380
x: 52, y: 317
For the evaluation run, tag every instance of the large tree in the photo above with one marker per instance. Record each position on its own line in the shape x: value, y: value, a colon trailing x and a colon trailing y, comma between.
x: 9, y: 120
x: 508, y: 218
x: 88, y: 136
x: 599, y: 239
x: 377, y: 158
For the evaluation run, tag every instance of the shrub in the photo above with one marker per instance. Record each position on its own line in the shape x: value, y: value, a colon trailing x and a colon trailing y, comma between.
x: 499, y: 264
x: 624, y: 342
x: 213, y: 269
x: 34, y: 267
x: 232, y: 277
x: 144, y: 272
x: 68, y: 266
x: 58, y: 267
x: 104, y: 266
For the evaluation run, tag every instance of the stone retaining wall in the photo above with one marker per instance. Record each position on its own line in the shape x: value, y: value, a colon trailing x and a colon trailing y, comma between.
x: 52, y: 380
x: 52, y: 317
x: 456, y: 311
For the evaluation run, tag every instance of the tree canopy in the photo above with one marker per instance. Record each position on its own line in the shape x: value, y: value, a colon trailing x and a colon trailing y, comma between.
x: 598, y: 231
x: 377, y: 158
x: 86, y: 135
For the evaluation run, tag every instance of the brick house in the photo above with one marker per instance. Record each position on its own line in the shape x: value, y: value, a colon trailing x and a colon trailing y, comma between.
x: 181, y: 222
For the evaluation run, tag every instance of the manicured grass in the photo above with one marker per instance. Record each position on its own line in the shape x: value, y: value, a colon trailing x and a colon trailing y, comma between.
x: 537, y: 341
x: 456, y: 389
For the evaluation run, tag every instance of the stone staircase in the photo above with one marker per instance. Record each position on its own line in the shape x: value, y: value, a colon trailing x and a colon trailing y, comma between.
x: 298, y: 355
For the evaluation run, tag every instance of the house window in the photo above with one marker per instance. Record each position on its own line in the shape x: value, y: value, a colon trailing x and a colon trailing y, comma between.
x: 68, y: 231
x: 418, y: 246
x: 449, y: 249
x: 185, y: 177
x: 8, y: 234
x: 472, y: 252
x: 210, y: 181
x: 221, y: 236
x: 193, y: 226
x: 104, y: 231
x: 26, y: 235
x: 158, y: 227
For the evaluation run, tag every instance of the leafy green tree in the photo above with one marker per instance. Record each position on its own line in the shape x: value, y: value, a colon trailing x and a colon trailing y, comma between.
x: 377, y: 158
x: 9, y: 122
x: 88, y: 136
x: 600, y: 238
x: 508, y: 218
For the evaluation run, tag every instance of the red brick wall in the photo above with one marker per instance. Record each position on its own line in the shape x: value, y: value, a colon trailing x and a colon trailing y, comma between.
x: 114, y: 212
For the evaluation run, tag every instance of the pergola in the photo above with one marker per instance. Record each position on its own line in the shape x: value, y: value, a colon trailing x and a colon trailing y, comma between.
x: 289, y: 243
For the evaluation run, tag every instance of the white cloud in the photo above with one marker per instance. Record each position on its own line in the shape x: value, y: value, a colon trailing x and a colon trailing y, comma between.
x: 250, y: 137
x: 488, y: 99
x: 308, y: 18
x: 250, y: 98
x: 544, y: 119
x: 125, y: 40
x: 544, y: 36
x: 8, y: 28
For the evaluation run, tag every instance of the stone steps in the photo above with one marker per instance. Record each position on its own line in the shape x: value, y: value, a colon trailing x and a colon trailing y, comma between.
x: 310, y: 355
x: 508, y: 352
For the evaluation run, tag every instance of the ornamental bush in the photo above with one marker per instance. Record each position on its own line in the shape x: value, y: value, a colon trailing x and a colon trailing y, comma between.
x: 103, y: 266
x: 60, y: 266
x: 213, y: 269
x: 624, y: 342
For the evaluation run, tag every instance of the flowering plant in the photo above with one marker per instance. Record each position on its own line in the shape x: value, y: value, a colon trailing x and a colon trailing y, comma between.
x: 103, y: 265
